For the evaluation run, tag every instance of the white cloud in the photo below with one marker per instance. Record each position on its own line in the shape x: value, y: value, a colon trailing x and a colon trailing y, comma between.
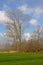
x: 26, y: 36
x: 33, y: 22
x: 4, y: 18
x: 25, y: 10
x: 36, y: 11
x: 1, y: 35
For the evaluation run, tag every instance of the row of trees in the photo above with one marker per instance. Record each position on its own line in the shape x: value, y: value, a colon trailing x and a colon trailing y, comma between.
x: 34, y: 44
x: 38, y: 33
x: 16, y: 28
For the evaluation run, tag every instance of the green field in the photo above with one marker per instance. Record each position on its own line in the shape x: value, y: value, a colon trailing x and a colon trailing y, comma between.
x: 21, y: 59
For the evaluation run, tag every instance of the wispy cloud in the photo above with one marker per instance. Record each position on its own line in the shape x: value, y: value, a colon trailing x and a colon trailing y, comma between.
x: 6, y: 7
x: 36, y: 11
x: 33, y: 22
x: 25, y: 9
x: 4, y: 19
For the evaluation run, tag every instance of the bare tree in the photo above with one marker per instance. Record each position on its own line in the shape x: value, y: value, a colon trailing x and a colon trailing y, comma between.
x: 18, y: 26
x: 38, y: 32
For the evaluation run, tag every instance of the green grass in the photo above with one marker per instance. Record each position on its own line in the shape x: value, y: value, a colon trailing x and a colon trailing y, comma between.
x: 21, y: 59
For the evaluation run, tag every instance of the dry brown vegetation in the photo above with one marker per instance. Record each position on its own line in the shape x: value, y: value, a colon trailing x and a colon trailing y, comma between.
x: 17, y: 28
x: 30, y: 46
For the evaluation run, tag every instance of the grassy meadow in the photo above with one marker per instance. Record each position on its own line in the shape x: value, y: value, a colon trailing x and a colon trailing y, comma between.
x: 21, y: 59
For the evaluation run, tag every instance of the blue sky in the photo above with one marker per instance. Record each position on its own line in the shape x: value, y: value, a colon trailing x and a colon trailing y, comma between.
x: 33, y: 8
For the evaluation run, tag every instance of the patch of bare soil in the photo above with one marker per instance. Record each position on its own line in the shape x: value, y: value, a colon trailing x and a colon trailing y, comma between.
x: 8, y: 52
